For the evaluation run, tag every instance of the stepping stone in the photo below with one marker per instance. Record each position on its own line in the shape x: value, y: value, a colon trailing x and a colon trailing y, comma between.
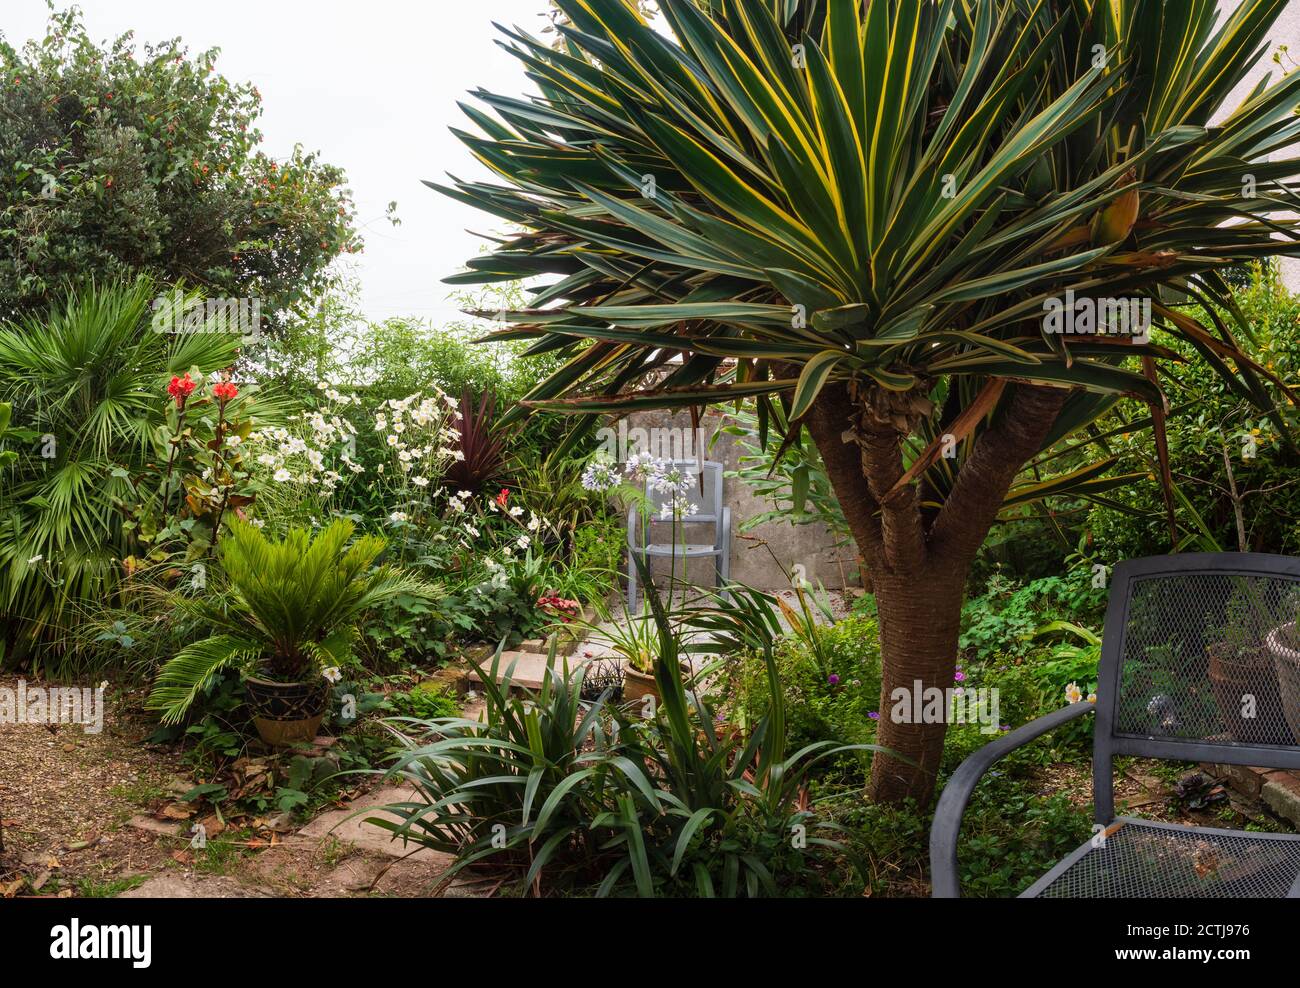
x: 529, y: 672
x: 193, y: 887
x: 165, y: 828
x: 366, y: 835
x: 530, y: 667
x: 1281, y: 792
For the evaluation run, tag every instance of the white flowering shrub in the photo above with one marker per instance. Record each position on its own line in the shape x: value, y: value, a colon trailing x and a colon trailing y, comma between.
x: 421, y: 435
x: 301, y: 465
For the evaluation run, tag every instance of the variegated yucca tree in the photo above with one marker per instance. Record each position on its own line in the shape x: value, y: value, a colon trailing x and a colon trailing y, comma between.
x: 861, y: 210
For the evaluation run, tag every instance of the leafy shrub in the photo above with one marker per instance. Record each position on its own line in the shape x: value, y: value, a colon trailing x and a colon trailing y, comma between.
x: 426, y: 701
x: 594, y: 563
x: 999, y: 624
x: 832, y: 698
x: 88, y: 378
x: 1208, y: 421
x: 1011, y: 835
x: 126, y: 165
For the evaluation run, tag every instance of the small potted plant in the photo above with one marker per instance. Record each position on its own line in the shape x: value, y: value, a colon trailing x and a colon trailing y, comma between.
x: 1283, y: 644
x: 636, y: 641
x: 1243, y: 674
x: 288, y: 623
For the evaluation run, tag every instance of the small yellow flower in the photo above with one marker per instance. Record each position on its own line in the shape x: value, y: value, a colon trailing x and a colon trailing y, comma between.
x: 1073, y: 694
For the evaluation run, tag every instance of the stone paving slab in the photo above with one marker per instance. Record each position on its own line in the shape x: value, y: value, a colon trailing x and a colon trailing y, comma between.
x: 365, y: 835
x: 529, y: 672
x: 193, y: 887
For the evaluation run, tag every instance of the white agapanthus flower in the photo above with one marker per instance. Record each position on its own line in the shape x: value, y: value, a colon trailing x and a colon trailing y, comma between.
x: 600, y: 475
x: 641, y: 467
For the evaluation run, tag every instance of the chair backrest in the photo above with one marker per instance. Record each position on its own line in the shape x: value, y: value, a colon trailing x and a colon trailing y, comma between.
x: 706, y: 498
x: 1200, y: 662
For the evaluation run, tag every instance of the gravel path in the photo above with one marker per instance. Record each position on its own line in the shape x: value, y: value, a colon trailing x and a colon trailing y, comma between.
x: 87, y: 814
x: 65, y: 795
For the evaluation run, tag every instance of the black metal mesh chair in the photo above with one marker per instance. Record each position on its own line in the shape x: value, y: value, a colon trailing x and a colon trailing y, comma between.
x: 1200, y: 662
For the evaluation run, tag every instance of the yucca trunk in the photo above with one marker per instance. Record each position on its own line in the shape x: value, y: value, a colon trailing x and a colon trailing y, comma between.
x: 919, y: 616
x: 917, y: 561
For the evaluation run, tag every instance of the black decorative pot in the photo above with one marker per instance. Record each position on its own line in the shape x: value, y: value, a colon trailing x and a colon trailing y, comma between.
x: 287, y: 713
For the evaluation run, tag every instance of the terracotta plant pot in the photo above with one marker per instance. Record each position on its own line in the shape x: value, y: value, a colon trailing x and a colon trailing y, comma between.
x: 1283, y: 644
x: 1233, y: 675
x: 287, y: 713
x: 637, y: 685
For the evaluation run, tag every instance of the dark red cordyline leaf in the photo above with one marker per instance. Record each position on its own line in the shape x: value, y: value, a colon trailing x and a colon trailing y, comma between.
x: 482, y: 443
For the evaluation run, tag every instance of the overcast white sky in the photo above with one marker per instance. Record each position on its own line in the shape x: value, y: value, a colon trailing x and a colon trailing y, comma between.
x: 373, y: 85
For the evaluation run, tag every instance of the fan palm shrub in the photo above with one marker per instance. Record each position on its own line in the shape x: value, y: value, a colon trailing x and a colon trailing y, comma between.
x: 289, y: 613
x: 7, y: 457
x: 88, y: 379
x: 865, y: 211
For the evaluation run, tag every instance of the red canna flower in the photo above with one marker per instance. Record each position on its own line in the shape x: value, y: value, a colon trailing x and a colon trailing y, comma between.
x: 181, y: 388
x: 223, y: 391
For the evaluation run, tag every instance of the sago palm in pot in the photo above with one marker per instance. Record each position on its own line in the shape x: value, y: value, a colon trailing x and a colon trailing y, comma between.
x: 289, y: 624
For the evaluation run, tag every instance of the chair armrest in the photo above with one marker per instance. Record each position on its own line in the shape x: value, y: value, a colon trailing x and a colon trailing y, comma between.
x: 946, y: 827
